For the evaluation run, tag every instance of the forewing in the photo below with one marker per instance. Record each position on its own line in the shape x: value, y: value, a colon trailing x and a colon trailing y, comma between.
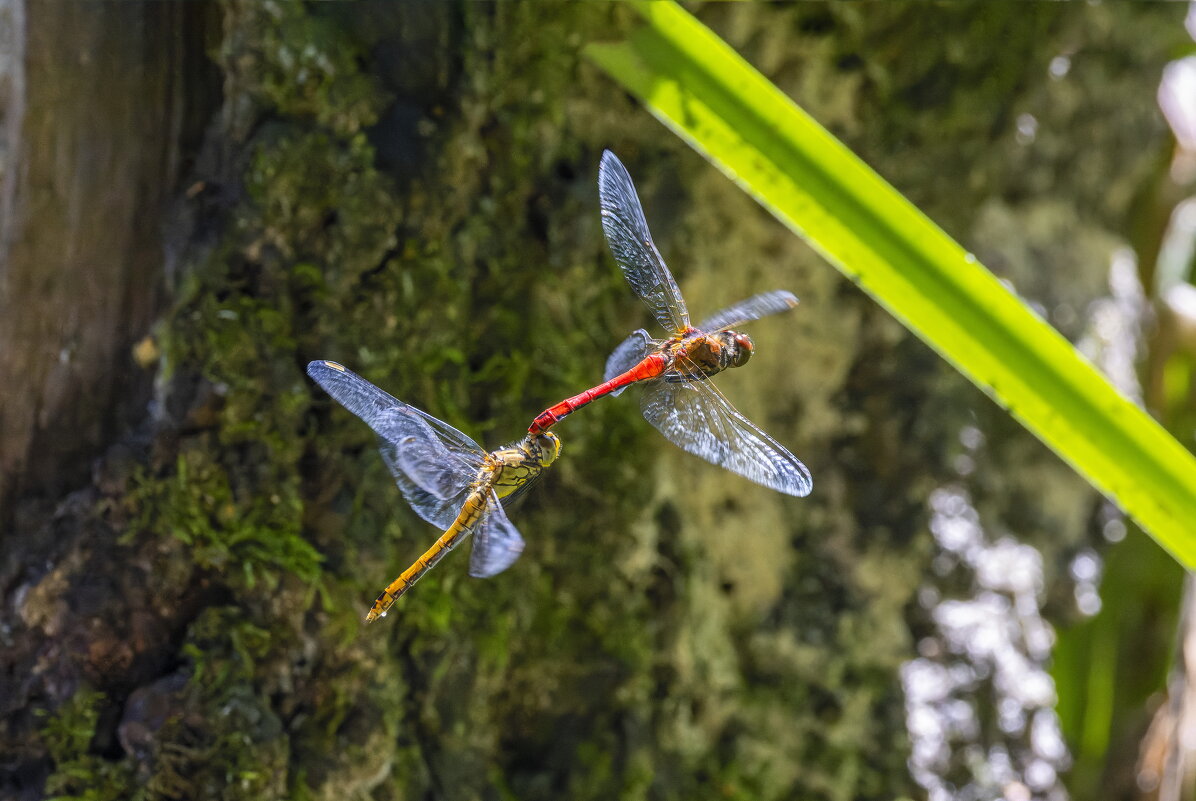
x: 631, y: 243
x: 628, y: 354
x: 694, y: 416
x: 440, y: 507
x: 423, y: 456
x: 496, y: 542
x: 432, y: 462
x: 753, y: 308
x: 371, y: 403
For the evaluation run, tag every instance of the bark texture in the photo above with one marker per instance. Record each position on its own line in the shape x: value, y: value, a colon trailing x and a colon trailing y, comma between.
x: 409, y: 188
x: 95, y: 116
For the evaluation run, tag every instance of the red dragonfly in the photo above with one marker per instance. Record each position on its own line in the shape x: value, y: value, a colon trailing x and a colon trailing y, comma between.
x: 679, y: 398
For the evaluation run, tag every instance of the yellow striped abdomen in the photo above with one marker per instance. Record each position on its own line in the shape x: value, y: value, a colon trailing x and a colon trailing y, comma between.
x: 462, y: 527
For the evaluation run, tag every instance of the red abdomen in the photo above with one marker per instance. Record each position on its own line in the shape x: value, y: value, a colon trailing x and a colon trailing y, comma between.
x: 652, y: 366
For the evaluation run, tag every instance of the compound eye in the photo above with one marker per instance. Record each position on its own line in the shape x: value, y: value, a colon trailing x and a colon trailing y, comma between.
x: 550, y: 446
x: 743, y: 351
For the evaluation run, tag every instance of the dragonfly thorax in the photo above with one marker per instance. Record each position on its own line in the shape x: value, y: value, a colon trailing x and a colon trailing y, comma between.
x: 510, y: 468
x: 716, y: 352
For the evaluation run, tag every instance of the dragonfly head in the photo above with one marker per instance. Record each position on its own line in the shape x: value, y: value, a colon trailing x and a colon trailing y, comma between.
x: 738, y: 348
x: 549, y: 446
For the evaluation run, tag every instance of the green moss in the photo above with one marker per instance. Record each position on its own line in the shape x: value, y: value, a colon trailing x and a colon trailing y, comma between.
x: 278, y: 54
x: 80, y: 775
x: 226, y: 741
x: 254, y: 538
x: 322, y: 204
x: 315, y: 218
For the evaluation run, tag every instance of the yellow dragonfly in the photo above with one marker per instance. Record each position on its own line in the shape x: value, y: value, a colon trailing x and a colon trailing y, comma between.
x: 446, y: 477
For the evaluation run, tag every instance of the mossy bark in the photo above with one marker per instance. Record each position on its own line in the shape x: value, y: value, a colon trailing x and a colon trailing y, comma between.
x: 409, y: 189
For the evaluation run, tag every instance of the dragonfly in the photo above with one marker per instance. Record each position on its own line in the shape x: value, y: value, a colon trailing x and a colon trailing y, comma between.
x: 679, y: 397
x: 448, y: 479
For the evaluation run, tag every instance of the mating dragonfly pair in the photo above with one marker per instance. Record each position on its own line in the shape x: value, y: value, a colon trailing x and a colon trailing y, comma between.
x: 454, y: 484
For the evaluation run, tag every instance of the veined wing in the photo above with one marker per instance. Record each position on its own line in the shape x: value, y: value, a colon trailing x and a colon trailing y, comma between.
x: 432, y: 462
x: 753, y: 308
x: 694, y: 416
x: 496, y: 542
x: 371, y: 403
x: 631, y: 243
x: 440, y: 507
x: 423, y: 456
x: 628, y: 354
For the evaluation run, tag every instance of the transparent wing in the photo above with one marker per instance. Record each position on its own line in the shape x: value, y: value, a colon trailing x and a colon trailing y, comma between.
x: 628, y: 354
x: 440, y: 508
x: 631, y: 242
x: 371, y: 403
x: 423, y: 456
x: 496, y: 542
x: 693, y: 415
x: 753, y: 308
x: 432, y: 462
